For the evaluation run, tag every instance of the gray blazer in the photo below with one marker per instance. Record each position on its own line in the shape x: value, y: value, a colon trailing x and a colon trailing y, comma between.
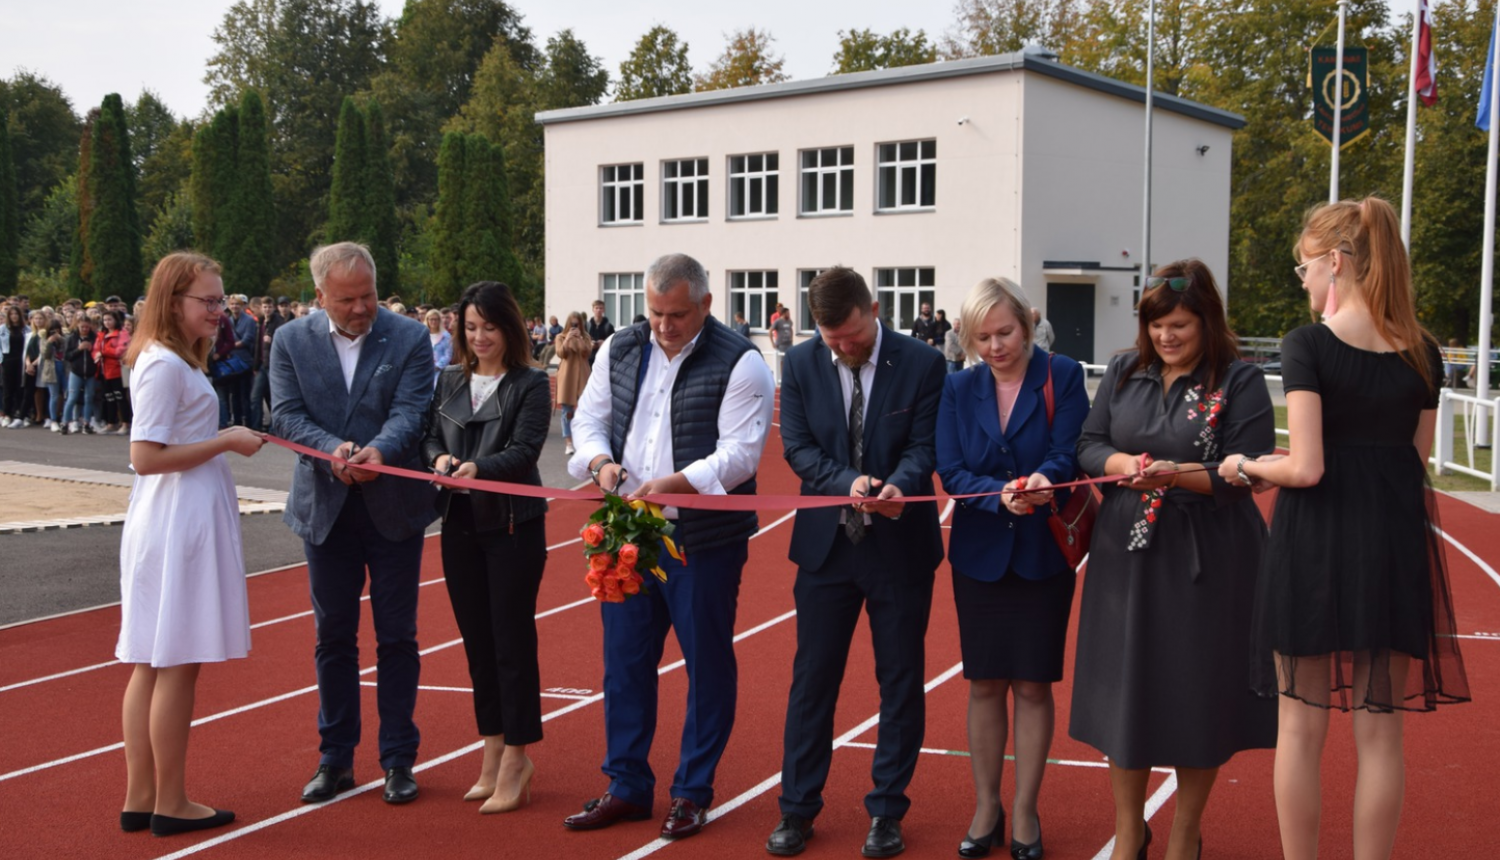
x: 385, y: 408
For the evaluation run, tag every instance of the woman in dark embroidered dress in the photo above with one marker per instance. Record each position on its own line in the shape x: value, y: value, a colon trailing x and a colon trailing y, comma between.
x: 1353, y: 608
x: 1164, y: 627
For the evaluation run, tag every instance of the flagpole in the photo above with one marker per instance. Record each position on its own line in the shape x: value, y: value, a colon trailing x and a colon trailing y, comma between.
x: 1338, y: 108
x: 1487, y: 267
x: 1411, y: 130
x: 1146, y: 213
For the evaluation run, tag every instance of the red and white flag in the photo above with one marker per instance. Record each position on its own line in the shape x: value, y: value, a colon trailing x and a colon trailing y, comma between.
x: 1426, y: 80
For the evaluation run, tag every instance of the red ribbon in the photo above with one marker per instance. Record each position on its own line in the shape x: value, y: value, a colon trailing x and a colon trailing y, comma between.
x: 677, y: 500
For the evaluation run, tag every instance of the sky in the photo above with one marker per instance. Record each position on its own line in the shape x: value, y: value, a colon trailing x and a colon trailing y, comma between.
x: 95, y: 47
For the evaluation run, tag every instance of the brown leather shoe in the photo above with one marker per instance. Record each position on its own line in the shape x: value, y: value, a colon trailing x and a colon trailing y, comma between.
x: 685, y: 819
x: 605, y: 811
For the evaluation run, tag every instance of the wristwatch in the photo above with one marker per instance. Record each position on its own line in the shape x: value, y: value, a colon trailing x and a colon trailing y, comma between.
x: 1239, y: 469
x: 595, y: 470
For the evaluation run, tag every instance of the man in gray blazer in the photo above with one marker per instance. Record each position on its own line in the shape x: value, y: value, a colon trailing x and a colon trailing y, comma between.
x: 355, y: 380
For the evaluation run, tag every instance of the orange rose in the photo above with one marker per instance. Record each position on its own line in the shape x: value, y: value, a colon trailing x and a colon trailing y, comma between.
x: 600, y: 562
x: 612, y: 591
x: 592, y: 579
x: 593, y: 534
x: 630, y: 585
x: 629, y: 554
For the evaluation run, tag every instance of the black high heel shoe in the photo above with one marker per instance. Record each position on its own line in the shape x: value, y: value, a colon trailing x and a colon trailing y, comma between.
x: 1145, y: 843
x: 1028, y: 850
x: 974, y: 847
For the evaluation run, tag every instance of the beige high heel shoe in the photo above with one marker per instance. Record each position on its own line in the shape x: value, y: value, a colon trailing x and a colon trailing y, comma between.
x: 497, y: 804
x: 480, y: 791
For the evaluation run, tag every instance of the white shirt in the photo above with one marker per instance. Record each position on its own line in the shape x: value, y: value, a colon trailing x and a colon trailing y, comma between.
x: 744, y: 422
x: 866, y: 384
x: 348, y: 352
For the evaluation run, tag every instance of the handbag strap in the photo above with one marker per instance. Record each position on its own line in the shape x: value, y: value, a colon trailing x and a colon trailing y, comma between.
x: 1047, y: 393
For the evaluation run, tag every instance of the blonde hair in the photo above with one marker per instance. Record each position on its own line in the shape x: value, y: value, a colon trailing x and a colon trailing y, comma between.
x: 1369, y: 233
x: 158, y: 323
x: 982, y: 299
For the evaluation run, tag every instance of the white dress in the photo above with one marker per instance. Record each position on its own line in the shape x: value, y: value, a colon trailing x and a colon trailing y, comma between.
x: 182, y: 571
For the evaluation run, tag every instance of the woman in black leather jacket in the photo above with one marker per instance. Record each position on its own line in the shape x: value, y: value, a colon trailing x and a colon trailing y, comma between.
x: 489, y: 419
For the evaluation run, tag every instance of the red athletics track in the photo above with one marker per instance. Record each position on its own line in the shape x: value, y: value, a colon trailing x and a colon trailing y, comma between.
x: 62, y: 773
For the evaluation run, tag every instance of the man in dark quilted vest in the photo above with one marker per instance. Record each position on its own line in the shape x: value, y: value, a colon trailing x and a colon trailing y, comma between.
x: 679, y: 404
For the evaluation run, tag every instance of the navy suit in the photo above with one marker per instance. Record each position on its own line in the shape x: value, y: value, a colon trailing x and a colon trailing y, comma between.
x: 889, y: 573
x: 376, y: 525
x: 974, y: 456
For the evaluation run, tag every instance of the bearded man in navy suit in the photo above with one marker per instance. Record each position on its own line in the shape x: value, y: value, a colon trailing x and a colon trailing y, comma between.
x: 355, y: 381
x: 877, y: 553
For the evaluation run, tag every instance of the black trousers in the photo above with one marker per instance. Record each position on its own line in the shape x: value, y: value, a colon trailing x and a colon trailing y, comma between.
x: 492, y: 580
x: 829, y: 599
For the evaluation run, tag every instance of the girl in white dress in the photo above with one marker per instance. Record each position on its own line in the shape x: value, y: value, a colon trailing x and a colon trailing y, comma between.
x: 182, y: 573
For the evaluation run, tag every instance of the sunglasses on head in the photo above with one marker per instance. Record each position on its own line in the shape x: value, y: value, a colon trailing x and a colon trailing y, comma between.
x: 1177, y: 284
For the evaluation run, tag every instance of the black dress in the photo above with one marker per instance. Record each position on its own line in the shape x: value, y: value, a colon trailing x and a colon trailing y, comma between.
x: 1353, y: 568
x: 1164, y: 627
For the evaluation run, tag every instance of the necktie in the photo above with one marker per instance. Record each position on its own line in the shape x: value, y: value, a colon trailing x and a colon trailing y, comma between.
x: 854, y: 521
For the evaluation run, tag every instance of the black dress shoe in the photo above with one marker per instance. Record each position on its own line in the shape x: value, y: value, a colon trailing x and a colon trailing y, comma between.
x: 163, y: 825
x: 328, y: 782
x: 400, y: 785
x: 1145, y: 843
x: 884, y: 839
x: 974, y: 847
x: 134, y: 822
x: 1028, y: 851
x: 790, y: 836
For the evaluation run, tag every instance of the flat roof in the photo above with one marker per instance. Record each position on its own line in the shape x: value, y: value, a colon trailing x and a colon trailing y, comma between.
x: 1025, y: 60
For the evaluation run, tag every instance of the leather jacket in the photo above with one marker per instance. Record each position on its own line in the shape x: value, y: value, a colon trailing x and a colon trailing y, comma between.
x: 503, y: 439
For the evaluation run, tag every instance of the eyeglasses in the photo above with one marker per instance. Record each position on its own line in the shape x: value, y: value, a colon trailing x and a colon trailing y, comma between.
x: 217, y: 304
x: 1177, y: 284
x: 1301, y: 268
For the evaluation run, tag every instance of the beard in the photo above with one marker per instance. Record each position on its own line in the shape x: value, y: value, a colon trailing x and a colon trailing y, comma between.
x: 854, y: 359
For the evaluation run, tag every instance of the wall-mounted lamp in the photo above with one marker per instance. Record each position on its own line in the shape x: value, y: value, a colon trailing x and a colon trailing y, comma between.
x: 1202, y: 150
x: 963, y: 120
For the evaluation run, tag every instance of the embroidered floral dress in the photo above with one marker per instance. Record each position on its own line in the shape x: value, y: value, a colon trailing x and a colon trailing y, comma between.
x: 1165, y: 623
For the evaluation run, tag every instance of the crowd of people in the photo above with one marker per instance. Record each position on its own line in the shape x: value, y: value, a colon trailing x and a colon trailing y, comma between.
x: 1201, y: 633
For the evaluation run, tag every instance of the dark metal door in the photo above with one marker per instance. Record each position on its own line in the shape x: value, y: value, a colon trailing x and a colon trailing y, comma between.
x: 1070, y: 309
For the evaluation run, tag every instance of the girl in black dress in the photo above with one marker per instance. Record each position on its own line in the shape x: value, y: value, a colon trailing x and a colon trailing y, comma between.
x: 1352, y: 608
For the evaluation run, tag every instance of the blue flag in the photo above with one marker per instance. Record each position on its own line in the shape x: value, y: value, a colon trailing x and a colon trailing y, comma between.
x: 1483, y: 118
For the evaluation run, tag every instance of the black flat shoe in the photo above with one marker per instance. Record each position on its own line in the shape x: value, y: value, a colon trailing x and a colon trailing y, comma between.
x: 790, y: 836
x: 1028, y: 850
x: 165, y: 825
x: 1145, y: 843
x: 400, y: 786
x: 134, y: 822
x: 884, y: 839
x: 328, y: 782
x: 979, y: 846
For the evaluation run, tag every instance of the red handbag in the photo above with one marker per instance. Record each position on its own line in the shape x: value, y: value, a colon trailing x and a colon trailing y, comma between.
x: 1072, y: 525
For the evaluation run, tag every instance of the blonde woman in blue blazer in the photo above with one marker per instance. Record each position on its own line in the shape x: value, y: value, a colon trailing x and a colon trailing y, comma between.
x: 1013, y: 588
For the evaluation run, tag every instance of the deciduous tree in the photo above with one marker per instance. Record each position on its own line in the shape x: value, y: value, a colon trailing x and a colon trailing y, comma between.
x: 657, y: 66
x: 43, y: 135
x: 747, y: 61
x: 866, y: 50
x: 10, y: 211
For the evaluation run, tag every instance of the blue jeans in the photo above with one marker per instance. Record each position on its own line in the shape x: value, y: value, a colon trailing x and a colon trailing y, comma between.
x: 260, y: 397
x: 55, y: 400
x: 82, y: 391
x: 567, y: 420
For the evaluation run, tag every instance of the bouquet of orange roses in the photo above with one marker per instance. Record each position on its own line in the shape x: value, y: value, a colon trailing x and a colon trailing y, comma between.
x: 620, y: 539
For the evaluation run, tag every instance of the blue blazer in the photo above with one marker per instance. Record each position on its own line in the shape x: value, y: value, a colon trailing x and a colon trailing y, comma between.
x: 974, y: 456
x: 901, y: 415
x: 385, y: 409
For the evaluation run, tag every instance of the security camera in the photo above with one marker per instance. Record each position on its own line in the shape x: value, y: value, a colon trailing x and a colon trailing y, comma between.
x: 1203, y: 150
x: 963, y: 120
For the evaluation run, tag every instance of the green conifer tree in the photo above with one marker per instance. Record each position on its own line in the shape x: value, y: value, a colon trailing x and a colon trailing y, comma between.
x: 80, y: 265
x: 215, y: 163
x: 346, y: 199
x: 10, y: 211
x: 249, y: 264
x: 482, y: 248
x: 380, y: 200
x: 114, y: 234
x: 448, y: 219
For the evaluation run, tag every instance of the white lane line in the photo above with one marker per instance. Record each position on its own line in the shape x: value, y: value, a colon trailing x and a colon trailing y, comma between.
x: 1153, y: 806
x: 582, y: 702
x: 1483, y: 565
x: 267, y: 623
x: 947, y: 511
x: 774, y: 780
x: 1062, y: 762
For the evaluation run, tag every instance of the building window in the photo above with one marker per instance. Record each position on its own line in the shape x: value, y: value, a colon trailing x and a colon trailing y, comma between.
x: 754, y: 295
x: 754, y: 182
x: 624, y: 296
x: 684, y: 190
x: 907, y: 175
x: 805, y: 321
x: 828, y: 181
x: 901, y: 294
x: 621, y: 192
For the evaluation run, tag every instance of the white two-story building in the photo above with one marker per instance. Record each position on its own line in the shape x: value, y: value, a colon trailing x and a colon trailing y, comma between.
x: 925, y: 179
